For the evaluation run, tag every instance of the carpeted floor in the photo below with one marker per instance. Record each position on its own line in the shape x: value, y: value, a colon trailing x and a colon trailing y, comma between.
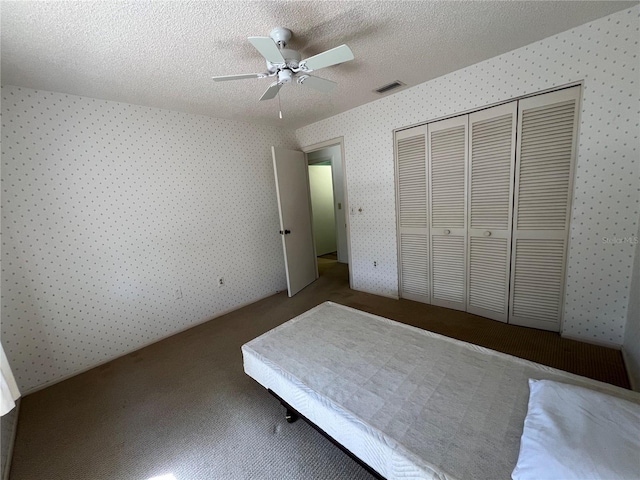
x: 182, y: 409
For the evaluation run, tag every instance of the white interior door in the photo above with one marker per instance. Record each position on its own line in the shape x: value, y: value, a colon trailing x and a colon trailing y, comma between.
x: 292, y: 188
x: 447, y: 155
x: 492, y: 138
x: 546, y: 144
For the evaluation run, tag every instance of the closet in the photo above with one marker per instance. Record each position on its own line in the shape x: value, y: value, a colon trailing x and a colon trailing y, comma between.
x: 483, y: 205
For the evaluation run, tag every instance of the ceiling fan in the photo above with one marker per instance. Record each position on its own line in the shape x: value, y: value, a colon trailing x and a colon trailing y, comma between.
x: 286, y: 65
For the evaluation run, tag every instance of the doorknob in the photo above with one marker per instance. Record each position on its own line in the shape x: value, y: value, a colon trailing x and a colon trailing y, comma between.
x: 447, y: 232
x: 487, y: 233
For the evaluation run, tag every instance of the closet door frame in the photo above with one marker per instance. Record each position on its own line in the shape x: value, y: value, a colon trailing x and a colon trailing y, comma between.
x: 460, y: 120
x: 486, y: 114
x: 573, y: 92
x: 400, y: 230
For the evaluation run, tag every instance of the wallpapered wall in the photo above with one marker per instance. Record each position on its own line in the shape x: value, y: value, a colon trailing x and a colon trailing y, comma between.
x: 118, y: 220
x: 603, y: 54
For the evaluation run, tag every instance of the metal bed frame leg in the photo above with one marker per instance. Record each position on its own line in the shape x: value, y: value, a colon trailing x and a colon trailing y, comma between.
x: 290, y: 415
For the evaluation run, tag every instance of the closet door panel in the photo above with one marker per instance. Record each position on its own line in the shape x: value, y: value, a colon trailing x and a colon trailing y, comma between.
x: 448, y: 270
x: 488, y: 277
x: 414, y: 248
x: 447, y: 155
x: 492, y: 137
x: 411, y: 197
x: 547, y: 131
x: 412, y: 180
x: 538, y: 279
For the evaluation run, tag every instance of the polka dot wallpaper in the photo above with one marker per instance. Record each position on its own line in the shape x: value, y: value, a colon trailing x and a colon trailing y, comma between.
x: 118, y: 222
x: 604, y: 56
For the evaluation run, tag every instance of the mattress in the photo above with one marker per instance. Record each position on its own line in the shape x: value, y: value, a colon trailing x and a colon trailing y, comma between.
x: 407, y: 402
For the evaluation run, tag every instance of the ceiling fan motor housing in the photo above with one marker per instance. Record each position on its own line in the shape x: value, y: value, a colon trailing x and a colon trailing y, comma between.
x: 292, y: 57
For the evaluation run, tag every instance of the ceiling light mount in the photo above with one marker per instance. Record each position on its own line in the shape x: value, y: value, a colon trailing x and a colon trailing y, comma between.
x: 281, y: 36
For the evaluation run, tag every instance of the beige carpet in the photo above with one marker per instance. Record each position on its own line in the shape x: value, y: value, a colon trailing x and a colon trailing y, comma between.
x: 183, y: 408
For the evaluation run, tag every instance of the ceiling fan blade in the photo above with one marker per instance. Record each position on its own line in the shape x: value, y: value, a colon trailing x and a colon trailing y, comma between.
x: 317, y: 83
x: 238, y: 77
x: 326, y: 59
x: 268, y: 49
x: 271, y: 92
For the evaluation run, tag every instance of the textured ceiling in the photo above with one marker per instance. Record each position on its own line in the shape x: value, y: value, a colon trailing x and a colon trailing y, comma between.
x: 163, y: 54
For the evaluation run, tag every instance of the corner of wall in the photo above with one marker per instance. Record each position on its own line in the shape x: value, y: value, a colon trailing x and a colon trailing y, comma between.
x: 631, y: 345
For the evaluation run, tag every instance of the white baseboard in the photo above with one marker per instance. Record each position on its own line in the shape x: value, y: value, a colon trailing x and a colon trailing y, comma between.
x: 140, y: 347
x: 593, y: 341
x: 12, y: 440
x: 387, y: 295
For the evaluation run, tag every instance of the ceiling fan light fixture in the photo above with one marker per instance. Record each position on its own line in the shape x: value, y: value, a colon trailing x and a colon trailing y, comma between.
x: 285, y: 75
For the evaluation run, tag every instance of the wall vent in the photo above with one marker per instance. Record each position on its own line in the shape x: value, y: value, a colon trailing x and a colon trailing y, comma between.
x: 389, y: 86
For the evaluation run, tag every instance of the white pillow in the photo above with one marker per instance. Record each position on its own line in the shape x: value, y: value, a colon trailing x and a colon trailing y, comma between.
x: 575, y: 433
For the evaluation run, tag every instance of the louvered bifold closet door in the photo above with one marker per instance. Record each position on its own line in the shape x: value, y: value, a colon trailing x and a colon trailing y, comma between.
x: 413, y: 228
x: 545, y: 155
x: 492, y: 152
x: 447, y: 159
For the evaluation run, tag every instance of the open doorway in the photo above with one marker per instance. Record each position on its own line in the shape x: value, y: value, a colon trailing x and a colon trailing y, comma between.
x: 291, y: 171
x: 323, y: 207
x: 328, y: 204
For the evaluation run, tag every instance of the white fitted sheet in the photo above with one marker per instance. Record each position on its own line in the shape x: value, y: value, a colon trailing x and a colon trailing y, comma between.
x: 408, y: 402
